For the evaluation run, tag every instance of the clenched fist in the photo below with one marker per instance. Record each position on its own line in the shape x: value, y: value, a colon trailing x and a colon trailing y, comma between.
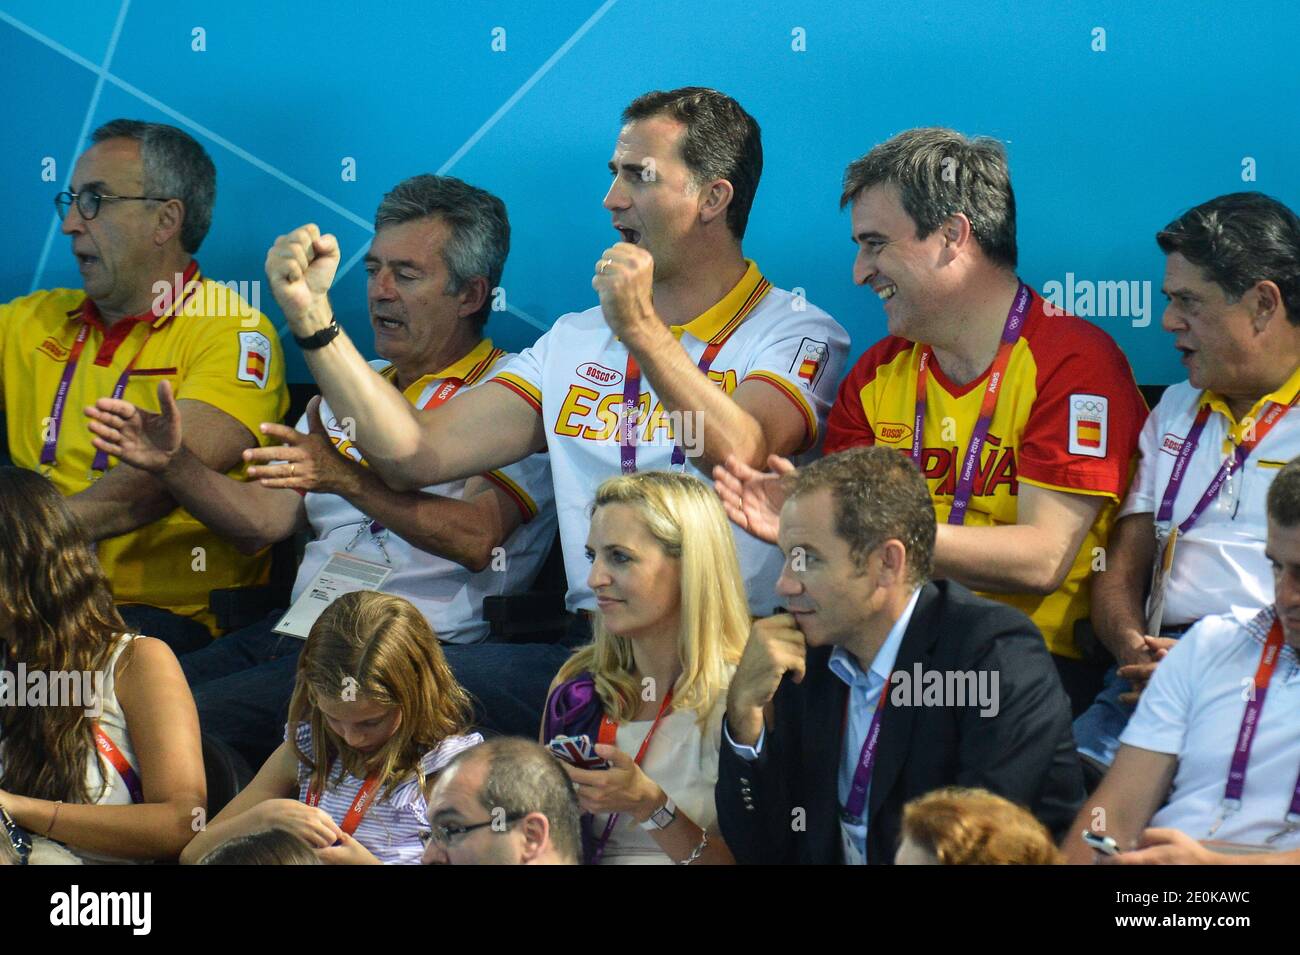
x: 623, y: 280
x: 775, y: 647
x: 301, y: 268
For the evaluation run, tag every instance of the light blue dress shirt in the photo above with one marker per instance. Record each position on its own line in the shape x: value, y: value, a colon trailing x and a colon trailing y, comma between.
x: 864, y: 693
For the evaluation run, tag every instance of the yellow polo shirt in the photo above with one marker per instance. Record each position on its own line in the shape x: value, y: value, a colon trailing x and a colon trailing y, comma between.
x: 203, y: 338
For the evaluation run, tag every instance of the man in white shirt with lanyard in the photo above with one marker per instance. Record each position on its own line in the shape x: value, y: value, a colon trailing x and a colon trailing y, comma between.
x: 439, y: 249
x: 1192, y: 526
x: 1218, y: 723
x: 692, y: 356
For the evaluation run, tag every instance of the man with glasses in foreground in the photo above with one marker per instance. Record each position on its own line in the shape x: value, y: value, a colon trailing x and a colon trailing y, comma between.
x: 504, y: 802
x: 140, y: 206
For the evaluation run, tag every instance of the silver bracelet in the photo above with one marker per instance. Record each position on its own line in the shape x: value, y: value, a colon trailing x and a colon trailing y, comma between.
x: 698, y: 850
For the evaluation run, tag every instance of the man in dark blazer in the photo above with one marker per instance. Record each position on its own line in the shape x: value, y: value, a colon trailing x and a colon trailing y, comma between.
x: 880, y: 685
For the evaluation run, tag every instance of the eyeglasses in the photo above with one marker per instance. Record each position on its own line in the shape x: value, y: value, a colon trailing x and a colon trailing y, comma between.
x: 444, y: 836
x: 88, y: 202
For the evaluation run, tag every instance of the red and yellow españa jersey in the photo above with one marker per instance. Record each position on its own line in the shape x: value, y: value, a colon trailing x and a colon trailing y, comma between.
x: 203, y: 338
x: 1067, y: 419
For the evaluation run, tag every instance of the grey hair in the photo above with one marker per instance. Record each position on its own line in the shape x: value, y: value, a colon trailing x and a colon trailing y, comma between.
x: 175, y: 167
x: 940, y: 173
x: 480, y: 228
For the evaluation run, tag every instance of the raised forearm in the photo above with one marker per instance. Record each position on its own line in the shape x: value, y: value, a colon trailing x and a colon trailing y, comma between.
x: 720, y: 425
x: 385, y: 424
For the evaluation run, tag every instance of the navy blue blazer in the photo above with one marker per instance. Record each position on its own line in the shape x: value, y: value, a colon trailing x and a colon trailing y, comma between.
x: 1025, y: 753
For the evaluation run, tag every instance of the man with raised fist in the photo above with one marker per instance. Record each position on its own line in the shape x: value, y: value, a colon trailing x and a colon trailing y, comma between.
x: 691, y: 356
x: 439, y: 248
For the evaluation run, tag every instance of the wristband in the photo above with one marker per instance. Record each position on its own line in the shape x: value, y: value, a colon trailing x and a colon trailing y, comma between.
x: 319, y: 339
x: 662, y: 817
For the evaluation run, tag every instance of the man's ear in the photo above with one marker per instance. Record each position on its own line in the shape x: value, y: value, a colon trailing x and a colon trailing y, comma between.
x: 536, y: 830
x: 956, y: 234
x: 170, y: 219
x: 473, y: 295
x: 717, y: 198
x: 1267, y: 304
x: 893, y: 562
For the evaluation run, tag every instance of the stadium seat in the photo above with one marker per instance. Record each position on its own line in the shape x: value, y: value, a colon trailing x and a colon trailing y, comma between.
x: 227, y: 773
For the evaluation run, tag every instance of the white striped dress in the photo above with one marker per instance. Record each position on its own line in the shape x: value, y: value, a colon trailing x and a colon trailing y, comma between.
x: 391, y: 828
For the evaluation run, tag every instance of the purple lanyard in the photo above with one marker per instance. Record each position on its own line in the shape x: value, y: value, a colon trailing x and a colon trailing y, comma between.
x: 1230, y: 467
x: 55, y: 423
x: 1249, y: 723
x: 857, y: 801
x: 966, y: 477
x: 631, y: 418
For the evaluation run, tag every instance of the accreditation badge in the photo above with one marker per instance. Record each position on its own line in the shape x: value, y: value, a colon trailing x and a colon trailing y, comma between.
x: 1166, y: 541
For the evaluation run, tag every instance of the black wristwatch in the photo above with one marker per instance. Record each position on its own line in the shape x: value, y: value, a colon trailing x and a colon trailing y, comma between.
x: 319, y: 339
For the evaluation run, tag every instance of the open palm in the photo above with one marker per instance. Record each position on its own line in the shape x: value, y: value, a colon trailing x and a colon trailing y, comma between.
x: 753, y: 499
x: 137, y: 437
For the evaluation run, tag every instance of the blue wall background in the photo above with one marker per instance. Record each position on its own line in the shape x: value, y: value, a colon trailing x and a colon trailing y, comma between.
x: 1105, y: 146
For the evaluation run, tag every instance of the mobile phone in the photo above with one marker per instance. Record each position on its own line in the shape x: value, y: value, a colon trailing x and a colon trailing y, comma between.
x: 577, y: 751
x: 1103, y: 844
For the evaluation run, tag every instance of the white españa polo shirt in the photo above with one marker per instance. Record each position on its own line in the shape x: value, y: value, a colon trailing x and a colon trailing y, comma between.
x: 574, y: 378
x: 449, y: 595
x: 1219, y: 564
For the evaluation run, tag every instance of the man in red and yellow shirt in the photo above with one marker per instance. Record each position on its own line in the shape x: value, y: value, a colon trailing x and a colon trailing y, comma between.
x: 140, y: 207
x: 1047, y: 400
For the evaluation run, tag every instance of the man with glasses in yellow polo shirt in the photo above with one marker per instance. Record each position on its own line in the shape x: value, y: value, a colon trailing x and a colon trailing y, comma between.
x: 140, y: 206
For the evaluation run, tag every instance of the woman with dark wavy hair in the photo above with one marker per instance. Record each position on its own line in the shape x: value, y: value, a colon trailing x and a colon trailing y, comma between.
x: 99, y: 737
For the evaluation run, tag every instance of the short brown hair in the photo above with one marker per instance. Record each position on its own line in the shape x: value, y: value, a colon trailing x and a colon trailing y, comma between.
x: 939, y: 173
x: 722, y: 141
x: 1283, y: 502
x: 975, y: 827
x: 879, y: 494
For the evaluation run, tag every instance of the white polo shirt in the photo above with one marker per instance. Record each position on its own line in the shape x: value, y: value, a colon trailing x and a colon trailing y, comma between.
x: 1192, y: 709
x: 574, y: 378
x: 449, y: 595
x: 1219, y: 565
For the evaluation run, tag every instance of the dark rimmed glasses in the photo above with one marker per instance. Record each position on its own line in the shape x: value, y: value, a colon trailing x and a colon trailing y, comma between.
x: 88, y: 202
x: 444, y: 836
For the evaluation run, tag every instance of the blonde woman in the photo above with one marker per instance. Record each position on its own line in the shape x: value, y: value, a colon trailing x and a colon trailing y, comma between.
x: 649, y: 692
x: 375, y: 715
